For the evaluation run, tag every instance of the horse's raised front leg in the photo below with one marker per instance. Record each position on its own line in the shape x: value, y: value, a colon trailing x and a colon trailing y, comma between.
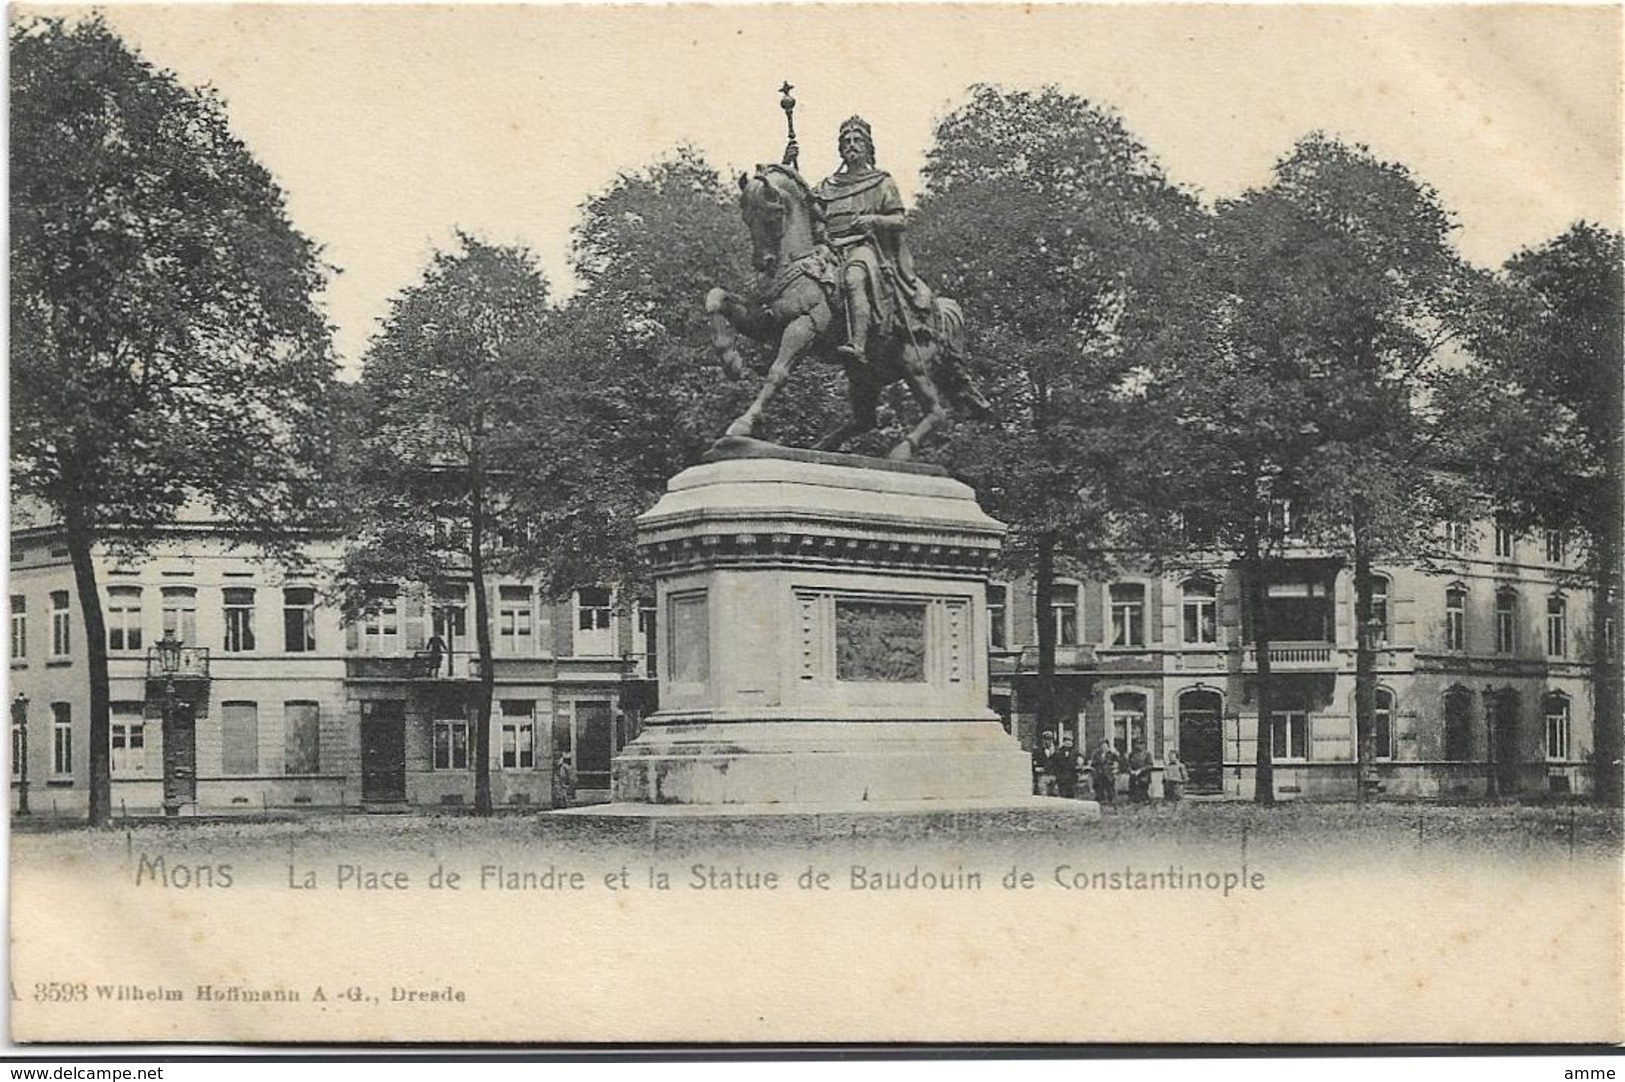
x: 917, y: 372
x: 798, y: 335
x: 727, y: 312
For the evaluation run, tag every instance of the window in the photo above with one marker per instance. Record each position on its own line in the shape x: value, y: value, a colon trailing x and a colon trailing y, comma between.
x: 648, y: 639
x: 998, y: 609
x: 1556, y: 549
x: 298, y: 619
x: 180, y: 612
x: 595, y: 632
x: 1458, y: 722
x: 61, y: 639
x: 381, y: 631
x: 516, y: 633
x: 1063, y: 607
x: 127, y: 740
x: 1455, y: 618
x: 239, y: 738
x: 1455, y: 536
x: 451, y: 745
x: 62, y: 739
x: 1280, y: 518
x: 1506, y: 541
x: 124, y: 617
x: 1557, y: 626
x: 1128, y: 614
x: 1289, y: 734
x: 1506, y: 622
x: 19, y: 627
x: 518, y: 734
x: 1128, y: 719
x: 1382, y: 724
x: 1201, y: 612
x: 1557, y: 728
x: 239, y: 602
x: 1379, y: 610
x: 301, y: 738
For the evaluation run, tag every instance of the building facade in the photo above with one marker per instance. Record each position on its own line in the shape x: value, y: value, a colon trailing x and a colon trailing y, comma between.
x: 1484, y: 671
x: 269, y: 701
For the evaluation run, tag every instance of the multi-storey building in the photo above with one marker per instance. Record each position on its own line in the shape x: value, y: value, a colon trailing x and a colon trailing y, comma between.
x: 1484, y: 670
x: 234, y: 684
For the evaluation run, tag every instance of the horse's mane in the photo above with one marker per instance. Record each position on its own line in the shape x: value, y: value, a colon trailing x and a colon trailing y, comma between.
x: 789, y: 173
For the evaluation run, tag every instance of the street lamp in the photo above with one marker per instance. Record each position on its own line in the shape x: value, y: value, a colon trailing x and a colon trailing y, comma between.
x: 19, y: 720
x: 168, y: 651
x: 1492, y: 784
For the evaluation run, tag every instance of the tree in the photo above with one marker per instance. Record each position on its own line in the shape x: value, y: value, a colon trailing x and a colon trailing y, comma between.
x: 1057, y: 230
x: 1377, y: 291
x: 1536, y: 423
x: 166, y: 346
x: 449, y: 386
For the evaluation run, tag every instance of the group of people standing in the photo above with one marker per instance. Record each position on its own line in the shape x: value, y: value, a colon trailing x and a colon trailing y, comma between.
x: 1060, y: 767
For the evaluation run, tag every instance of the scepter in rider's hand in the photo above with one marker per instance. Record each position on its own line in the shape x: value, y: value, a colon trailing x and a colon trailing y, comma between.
x: 792, y: 152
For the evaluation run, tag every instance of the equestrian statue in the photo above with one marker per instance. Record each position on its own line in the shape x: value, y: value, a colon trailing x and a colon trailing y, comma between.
x: 842, y: 288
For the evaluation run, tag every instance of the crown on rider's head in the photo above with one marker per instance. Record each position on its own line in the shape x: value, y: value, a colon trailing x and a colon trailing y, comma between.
x: 856, y: 121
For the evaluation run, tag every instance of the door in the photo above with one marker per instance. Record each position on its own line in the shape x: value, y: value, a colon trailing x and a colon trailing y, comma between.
x: 180, y: 756
x: 594, y: 735
x: 1201, y: 741
x: 383, y: 752
x: 1506, y: 750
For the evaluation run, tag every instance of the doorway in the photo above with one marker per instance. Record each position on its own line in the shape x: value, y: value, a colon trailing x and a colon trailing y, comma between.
x: 1507, y: 758
x: 383, y: 752
x: 1201, y: 740
x: 594, y: 744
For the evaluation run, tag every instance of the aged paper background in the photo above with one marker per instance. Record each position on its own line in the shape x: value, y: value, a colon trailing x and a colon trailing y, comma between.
x: 1420, y: 941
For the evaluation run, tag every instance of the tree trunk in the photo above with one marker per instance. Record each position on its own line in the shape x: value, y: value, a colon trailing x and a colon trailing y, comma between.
x: 1365, y: 668
x: 482, y: 636
x: 1263, y: 759
x: 80, y: 543
x: 1043, y: 600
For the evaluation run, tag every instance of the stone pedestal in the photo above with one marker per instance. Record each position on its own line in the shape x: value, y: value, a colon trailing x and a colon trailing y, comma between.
x: 823, y: 637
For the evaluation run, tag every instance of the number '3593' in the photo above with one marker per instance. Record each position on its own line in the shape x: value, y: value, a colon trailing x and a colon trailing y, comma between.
x: 60, y: 992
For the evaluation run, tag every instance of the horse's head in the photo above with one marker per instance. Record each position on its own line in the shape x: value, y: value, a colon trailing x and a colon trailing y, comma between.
x: 774, y: 203
x: 764, y: 211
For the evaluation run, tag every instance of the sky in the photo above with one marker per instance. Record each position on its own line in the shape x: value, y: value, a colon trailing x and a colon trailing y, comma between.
x: 391, y: 127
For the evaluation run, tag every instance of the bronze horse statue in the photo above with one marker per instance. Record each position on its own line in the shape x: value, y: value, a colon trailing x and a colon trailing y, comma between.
x: 803, y: 308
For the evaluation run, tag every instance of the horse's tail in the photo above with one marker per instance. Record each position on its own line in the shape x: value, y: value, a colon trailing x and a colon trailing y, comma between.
x: 953, y: 354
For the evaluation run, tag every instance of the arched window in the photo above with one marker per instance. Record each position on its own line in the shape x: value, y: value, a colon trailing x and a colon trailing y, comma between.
x: 1128, y: 719
x: 1458, y: 724
x: 1506, y: 621
x: 1557, y: 625
x: 1556, y: 709
x: 1379, y: 611
x: 1455, y: 617
x: 1382, y: 724
x: 1200, y: 612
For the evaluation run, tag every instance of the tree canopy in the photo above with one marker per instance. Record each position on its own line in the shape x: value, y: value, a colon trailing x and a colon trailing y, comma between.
x: 166, y: 342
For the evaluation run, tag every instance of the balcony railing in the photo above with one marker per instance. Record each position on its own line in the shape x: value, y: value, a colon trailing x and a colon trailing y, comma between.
x: 192, y: 664
x: 1296, y: 656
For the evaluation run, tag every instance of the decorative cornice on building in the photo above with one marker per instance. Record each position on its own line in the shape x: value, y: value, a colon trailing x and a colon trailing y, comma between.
x: 821, y: 549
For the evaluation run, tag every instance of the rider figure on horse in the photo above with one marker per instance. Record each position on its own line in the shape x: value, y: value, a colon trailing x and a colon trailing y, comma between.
x: 863, y: 219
